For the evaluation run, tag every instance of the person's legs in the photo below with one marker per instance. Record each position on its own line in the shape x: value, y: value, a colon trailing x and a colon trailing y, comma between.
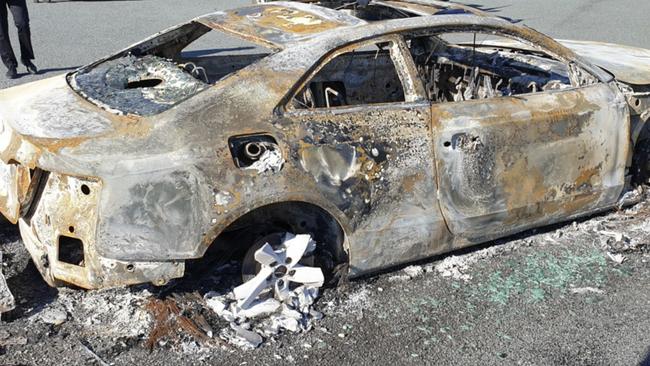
x: 21, y: 19
x: 6, y: 52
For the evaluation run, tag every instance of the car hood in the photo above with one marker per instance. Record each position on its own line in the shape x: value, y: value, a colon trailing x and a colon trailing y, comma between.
x: 627, y: 64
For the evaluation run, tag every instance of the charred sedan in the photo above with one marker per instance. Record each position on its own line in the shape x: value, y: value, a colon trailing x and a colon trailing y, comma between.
x: 389, y: 133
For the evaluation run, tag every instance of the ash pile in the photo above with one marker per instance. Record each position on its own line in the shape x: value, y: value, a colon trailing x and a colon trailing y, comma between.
x: 279, y: 298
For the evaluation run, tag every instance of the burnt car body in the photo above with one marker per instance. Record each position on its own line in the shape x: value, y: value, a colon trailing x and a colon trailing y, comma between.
x: 361, y: 126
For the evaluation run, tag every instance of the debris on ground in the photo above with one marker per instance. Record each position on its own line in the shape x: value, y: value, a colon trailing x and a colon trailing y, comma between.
x: 7, y: 339
x: 617, y: 258
x: 586, y: 290
x: 175, y: 323
x: 54, y: 316
x: 265, y: 318
x: 457, y: 266
x: 399, y: 277
x: 280, y: 297
x: 7, y: 302
x: 200, y: 321
x: 92, y: 354
x: 112, y: 313
x: 270, y: 302
x: 414, y: 271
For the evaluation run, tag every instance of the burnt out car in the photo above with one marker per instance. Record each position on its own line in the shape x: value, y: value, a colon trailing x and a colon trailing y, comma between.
x: 390, y: 132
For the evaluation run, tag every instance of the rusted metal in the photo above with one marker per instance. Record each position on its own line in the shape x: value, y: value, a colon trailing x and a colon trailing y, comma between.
x: 372, y: 156
x: 173, y: 321
x: 279, y: 23
x: 517, y: 163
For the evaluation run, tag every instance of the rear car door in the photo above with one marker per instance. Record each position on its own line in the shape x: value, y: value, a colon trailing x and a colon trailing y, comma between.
x: 365, y: 138
x: 520, y: 139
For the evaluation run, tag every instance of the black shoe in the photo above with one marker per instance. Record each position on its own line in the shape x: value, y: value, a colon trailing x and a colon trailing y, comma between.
x: 31, y: 68
x: 12, y: 73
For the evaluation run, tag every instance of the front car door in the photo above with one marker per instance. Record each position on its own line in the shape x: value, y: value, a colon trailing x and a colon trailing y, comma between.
x: 520, y: 139
x: 364, y: 132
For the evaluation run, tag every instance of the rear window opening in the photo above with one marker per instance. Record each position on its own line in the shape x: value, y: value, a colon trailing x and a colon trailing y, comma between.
x: 158, y: 73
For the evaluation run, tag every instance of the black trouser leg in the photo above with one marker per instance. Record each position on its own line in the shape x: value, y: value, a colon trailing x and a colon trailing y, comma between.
x: 6, y: 52
x: 21, y: 19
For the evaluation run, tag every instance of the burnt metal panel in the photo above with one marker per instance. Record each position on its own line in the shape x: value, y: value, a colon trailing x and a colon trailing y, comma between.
x: 511, y: 163
x: 375, y: 164
x: 280, y: 22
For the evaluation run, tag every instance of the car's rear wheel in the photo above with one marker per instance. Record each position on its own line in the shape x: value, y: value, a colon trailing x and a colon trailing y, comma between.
x: 277, y: 265
x: 251, y: 267
x: 276, y: 225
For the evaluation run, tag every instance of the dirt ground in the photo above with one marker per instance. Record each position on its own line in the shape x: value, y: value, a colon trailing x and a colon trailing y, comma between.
x: 573, y: 294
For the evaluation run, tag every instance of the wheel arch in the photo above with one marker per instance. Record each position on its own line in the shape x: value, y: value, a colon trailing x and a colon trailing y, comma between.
x: 316, y: 212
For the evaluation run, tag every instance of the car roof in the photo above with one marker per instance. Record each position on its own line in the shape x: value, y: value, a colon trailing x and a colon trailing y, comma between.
x: 279, y: 23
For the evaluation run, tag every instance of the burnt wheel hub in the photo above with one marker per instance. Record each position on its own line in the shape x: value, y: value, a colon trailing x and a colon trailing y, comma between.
x: 278, y: 268
x: 280, y: 271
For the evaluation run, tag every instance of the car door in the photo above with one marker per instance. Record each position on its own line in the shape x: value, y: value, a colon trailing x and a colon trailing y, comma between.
x: 366, y: 141
x: 529, y: 154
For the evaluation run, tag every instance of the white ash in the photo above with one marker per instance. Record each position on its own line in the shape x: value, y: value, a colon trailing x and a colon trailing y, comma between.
x: 266, y: 317
x: 223, y: 198
x: 354, y: 304
x: 399, y: 277
x: 54, y: 316
x: 414, y: 271
x: 271, y: 160
x: 111, y: 313
x: 458, y: 266
x: 586, y: 290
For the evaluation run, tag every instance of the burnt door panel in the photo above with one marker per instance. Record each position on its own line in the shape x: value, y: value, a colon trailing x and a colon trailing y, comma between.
x: 375, y: 164
x: 511, y: 163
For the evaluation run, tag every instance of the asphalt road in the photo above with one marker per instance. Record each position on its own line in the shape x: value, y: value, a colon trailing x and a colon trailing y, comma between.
x: 73, y: 33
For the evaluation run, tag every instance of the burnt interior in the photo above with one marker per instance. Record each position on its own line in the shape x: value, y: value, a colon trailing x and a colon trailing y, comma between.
x: 450, y: 72
x: 354, y: 78
x: 457, y: 72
